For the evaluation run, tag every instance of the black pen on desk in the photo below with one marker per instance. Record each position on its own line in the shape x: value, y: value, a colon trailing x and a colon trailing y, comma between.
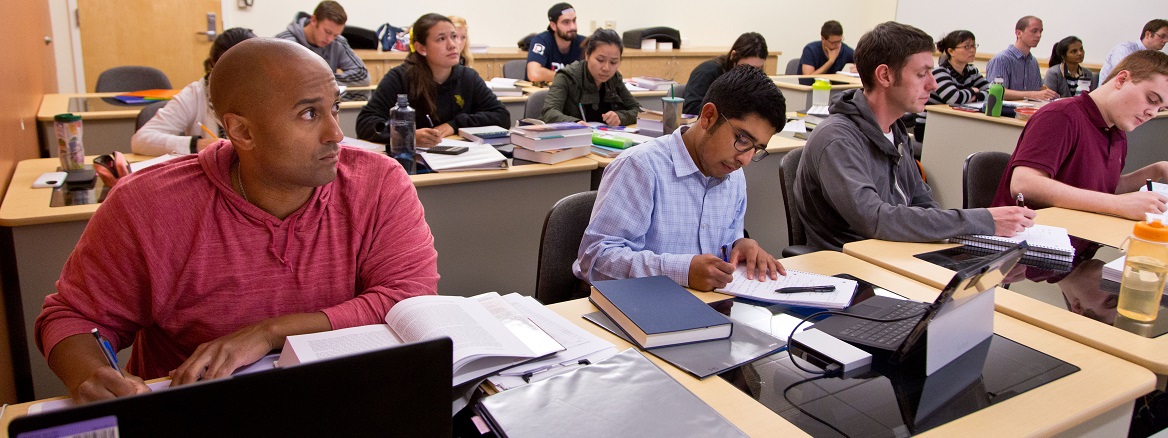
x: 108, y: 350
x: 798, y: 289
x: 1149, y: 184
x: 1020, y: 200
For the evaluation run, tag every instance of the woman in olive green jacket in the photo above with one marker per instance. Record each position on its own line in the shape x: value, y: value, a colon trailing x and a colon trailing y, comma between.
x: 592, y: 86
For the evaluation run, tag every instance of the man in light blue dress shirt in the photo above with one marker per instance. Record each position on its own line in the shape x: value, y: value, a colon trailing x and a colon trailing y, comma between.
x: 1017, y: 67
x: 1153, y: 37
x: 675, y: 206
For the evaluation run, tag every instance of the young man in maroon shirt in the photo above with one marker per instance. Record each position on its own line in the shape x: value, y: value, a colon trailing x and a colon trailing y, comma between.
x: 206, y: 263
x: 1072, y: 151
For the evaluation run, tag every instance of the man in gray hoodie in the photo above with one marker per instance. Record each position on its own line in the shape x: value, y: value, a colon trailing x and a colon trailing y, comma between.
x: 857, y: 178
x: 321, y: 33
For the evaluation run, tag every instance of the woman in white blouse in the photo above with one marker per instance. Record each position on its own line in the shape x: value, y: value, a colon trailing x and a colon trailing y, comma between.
x: 175, y: 127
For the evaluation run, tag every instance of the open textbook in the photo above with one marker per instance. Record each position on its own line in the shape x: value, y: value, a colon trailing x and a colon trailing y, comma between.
x: 489, y: 334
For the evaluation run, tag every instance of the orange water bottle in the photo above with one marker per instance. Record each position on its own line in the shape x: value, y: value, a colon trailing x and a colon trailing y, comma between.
x: 1144, y: 270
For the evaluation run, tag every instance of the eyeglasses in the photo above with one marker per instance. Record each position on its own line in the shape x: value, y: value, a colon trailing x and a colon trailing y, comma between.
x: 1163, y: 36
x: 970, y: 46
x: 744, y: 144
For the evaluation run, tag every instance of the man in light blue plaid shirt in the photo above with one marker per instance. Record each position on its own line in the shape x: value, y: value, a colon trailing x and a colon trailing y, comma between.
x: 674, y: 206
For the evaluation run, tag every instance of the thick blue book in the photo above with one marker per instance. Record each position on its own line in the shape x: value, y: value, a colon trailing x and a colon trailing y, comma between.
x: 655, y: 312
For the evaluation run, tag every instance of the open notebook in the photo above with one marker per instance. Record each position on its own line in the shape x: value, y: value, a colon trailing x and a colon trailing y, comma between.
x: 765, y: 290
x: 1045, y: 242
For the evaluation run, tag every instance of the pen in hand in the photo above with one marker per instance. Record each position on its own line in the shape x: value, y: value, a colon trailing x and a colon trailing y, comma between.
x: 1149, y: 184
x: 430, y: 120
x: 798, y: 289
x: 108, y: 350
x: 1020, y: 200
x: 725, y: 255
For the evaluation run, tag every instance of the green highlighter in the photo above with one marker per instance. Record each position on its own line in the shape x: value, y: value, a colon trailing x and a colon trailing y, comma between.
x: 611, y: 141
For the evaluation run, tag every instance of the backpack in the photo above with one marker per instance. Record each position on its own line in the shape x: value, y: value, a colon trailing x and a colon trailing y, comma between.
x: 391, y: 38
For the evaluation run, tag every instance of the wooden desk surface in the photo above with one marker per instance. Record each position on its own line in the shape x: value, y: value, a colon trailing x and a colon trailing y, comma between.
x: 53, y: 104
x: 852, y: 82
x: 946, y: 109
x: 1151, y: 353
x: 24, y: 205
x: 1108, y: 230
x: 778, y: 145
x: 515, y: 53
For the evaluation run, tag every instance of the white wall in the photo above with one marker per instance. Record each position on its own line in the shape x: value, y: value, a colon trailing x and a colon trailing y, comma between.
x: 1101, y: 25
x: 501, y: 24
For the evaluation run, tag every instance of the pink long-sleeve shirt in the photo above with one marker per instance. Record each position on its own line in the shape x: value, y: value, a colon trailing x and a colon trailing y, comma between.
x: 175, y: 258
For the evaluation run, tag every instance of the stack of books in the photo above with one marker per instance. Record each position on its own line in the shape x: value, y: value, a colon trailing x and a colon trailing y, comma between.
x: 551, y: 143
x: 656, y: 312
x: 652, y: 83
x: 492, y: 135
x: 504, y: 87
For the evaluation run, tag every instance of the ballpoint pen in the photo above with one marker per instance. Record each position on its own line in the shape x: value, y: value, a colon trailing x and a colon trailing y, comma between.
x: 430, y: 120
x: 1148, y: 182
x: 108, y: 349
x: 528, y: 375
x: 1020, y: 201
x: 798, y: 289
x: 582, y: 117
x: 725, y: 256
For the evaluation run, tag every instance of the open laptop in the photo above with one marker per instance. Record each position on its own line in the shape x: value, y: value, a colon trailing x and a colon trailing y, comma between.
x: 399, y: 391
x: 901, y: 338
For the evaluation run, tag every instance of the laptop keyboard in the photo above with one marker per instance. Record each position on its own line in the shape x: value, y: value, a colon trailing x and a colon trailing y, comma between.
x: 888, y: 334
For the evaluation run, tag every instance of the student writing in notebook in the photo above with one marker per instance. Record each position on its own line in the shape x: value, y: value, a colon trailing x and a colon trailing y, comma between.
x: 750, y: 49
x: 175, y: 129
x: 274, y: 232
x: 857, y: 178
x: 1071, y: 153
x: 446, y: 95
x: 591, y: 89
x: 675, y: 206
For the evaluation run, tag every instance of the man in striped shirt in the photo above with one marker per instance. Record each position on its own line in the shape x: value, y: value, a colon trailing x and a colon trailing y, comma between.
x: 1017, y: 67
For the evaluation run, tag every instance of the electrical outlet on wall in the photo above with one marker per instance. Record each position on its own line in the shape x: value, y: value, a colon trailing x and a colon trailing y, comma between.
x: 610, y: 24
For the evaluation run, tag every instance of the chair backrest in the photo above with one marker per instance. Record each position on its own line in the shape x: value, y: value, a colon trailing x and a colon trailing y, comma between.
x: 787, y: 168
x: 980, y: 177
x: 793, y: 67
x: 148, y: 113
x: 558, y: 246
x: 515, y: 69
x: 360, y: 38
x: 534, y: 107
x: 131, y: 78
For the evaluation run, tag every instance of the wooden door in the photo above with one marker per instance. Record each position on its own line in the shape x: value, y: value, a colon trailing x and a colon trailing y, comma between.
x: 159, y: 34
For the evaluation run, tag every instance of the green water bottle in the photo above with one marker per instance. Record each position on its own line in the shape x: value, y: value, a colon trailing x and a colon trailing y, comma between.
x: 993, y: 105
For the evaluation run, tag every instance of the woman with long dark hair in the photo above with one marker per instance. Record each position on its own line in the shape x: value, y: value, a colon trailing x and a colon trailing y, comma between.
x: 446, y: 95
x: 1066, y: 71
x: 958, y: 81
x: 592, y: 85
x: 749, y: 49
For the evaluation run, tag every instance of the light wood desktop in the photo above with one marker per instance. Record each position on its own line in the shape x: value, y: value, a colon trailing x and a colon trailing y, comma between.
x: 1096, y: 399
x: 1151, y: 353
x: 952, y: 135
x: 674, y: 64
x: 486, y: 227
x: 798, y: 96
x: 766, y: 218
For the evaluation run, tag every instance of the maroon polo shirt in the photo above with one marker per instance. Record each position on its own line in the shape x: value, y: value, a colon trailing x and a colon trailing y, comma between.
x: 1069, y: 140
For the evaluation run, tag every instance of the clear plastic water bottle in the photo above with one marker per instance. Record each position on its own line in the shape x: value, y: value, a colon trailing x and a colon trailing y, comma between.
x: 1144, y: 270
x: 402, y: 128
x: 820, y: 92
x: 993, y: 105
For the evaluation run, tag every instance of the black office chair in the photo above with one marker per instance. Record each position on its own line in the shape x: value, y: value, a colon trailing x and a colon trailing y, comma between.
x: 558, y: 246
x: 533, y: 109
x: 796, y: 236
x: 793, y: 67
x: 360, y: 38
x: 148, y: 113
x: 980, y: 177
x: 515, y: 69
x: 131, y: 78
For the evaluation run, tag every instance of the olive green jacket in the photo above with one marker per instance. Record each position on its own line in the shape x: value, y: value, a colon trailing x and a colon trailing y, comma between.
x: 573, y: 85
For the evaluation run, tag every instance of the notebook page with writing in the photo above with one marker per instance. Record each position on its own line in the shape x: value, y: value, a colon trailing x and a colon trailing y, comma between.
x: 765, y: 290
x: 1044, y: 241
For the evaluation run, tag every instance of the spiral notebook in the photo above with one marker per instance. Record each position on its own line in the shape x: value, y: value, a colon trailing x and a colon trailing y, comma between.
x: 765, y: 291
x: 1045, y: 242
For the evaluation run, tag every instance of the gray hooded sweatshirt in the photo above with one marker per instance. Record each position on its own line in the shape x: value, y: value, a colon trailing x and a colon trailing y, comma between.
x: 853, y: 184
x: 337, y: 54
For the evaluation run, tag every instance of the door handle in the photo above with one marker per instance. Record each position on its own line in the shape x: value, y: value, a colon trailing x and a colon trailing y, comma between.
x: 210, y: 32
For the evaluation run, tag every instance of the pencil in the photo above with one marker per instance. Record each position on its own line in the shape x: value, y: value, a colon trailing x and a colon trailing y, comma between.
x: 208, y: 131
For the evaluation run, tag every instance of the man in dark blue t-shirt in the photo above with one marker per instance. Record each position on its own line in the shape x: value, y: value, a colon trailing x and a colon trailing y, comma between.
x: 829, y: 54
x: 559, y: 46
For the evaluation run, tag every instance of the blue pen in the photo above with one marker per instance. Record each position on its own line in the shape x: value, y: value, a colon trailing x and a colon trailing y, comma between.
x: 108, y: 349
x: 725, y: 256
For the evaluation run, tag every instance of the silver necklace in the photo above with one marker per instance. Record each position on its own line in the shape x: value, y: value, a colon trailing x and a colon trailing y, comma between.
x: 239, y: 178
